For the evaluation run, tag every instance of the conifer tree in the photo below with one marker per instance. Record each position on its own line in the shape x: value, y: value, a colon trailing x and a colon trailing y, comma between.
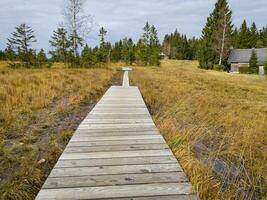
x: 140, y: 52
x: 262, y: 40
x: 60, y: 42
x: 21, y: 41
x: 41, y: 58
x: 242, y: 39
x: 154, y: 46
x: 88, y: 57
x: 116, y: 53
x: 216, y: 36
x: 253, y: 59
x: 2, y: 55
x: 127, y: 52
x: 253, y: 35
x: 148, y: 47
x: 10, y: 54
x: 103, y: 50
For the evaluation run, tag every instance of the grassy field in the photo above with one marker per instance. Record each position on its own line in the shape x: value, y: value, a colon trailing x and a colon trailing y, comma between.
x: 39, y: 109
x: 215, y: 123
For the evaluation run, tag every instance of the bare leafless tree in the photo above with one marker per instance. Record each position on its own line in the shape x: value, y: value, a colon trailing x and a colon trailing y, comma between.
x: 77, y: 22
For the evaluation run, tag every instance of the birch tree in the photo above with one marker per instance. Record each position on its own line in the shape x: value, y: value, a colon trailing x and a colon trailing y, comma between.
x: 77, y: 22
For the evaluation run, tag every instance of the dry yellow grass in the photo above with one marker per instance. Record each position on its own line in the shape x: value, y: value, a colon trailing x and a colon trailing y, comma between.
x: 216, y: 124
x: 36, y: 106
x: 3, y: 64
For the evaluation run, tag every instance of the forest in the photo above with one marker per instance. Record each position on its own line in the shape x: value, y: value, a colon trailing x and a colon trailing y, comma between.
x: 68, y: 43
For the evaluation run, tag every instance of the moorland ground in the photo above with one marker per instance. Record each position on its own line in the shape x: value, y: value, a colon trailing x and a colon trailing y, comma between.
x: 39, y: 111
x: 215, y: 123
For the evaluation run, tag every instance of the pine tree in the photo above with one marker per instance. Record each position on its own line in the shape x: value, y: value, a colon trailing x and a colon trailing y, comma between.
x: 59, y: 41
x: 253, y: 59
x: 21, y: 41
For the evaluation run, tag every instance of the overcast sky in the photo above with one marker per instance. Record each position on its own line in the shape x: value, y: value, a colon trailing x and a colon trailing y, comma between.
x: 123, y: 17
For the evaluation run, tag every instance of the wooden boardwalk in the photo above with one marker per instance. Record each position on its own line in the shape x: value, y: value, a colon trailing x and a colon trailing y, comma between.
x: 117, y: 153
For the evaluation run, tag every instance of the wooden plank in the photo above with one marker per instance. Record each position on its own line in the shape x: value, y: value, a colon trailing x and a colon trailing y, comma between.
x: 107, y: 126
x: 129, y: 133
x: 101, y: 130
x: 118, y: 142
x: 116, y: 148
x: 77, y: 138
x: 118, y: 154
x: 109, y: 180
x: 136, y: 105
x: 140, y: 190
x: 116, y: 121
x: 121, y: 169
x: 168, y: 197
x: 117, y: 116
x: 116, y: 161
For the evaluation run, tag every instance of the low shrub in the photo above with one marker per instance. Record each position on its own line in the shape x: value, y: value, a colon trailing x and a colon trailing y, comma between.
x: 248, y: 70
x: 265, y: 67
x: 219, y: 67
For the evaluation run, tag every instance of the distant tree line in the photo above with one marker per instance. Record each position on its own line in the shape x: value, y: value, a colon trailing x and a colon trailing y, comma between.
x: 68, y: 42
x: 177, y: 46
x: 19, y: 48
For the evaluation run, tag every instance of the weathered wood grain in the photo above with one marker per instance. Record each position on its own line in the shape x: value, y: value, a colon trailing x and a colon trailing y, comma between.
x: 121, y: 169
x: 109, y: 180
x: 118, y: 154
x: 116, y: 161
x: 140, y: 190
x: 116, y: 148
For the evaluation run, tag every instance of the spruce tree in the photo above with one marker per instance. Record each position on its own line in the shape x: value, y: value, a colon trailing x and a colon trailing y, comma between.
x: 253, y: 59
x: 253, y: 35
x: 10, y: 54
x: 2, y: 55
x: 242, y: 39
x: 148, y: 47
x: 140, y: 52
x: 216, y: 36
x: 41, y: 58
x: 60, y: 43
x: 88, y: 57
x: 262, y: 40
x: 21, y: 41
x: 103, y: 50
x: 116, y: 53
x: 154, y: 46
